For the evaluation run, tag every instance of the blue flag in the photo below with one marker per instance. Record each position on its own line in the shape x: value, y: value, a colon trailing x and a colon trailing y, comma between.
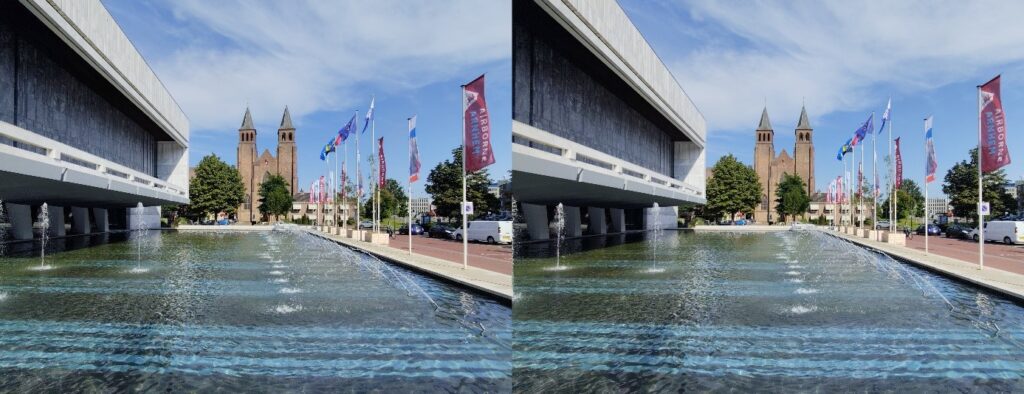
x: 843, y: 150
x: 885, y: 115
x: 863, y: 130
x: 344, y: 132
x: 414, y: 152
x: 328, y: 148
x: 369, y: 114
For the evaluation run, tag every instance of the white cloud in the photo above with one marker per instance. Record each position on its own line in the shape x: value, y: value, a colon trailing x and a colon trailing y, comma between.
x: 322, y: 55
x: 839, y: 55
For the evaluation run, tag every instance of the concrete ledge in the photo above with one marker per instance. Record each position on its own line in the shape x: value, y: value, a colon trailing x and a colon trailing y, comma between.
x: 1007, y: 283
x: 739, y: 229
x: 194, y: 227
x: 491, y: 283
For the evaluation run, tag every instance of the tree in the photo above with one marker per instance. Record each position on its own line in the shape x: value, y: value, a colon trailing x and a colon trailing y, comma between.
x: 791, y: 196
x: 444, y: 184
x: 274, y: 196
x: 393, y: 200
x: 961, y: 186
x: 909, y: 201
x: 734, y: 187
x: 216, y: 187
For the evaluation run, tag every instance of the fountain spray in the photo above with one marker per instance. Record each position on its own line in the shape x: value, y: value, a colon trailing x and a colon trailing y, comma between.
x: 657, y: 235
x: 559, y: 233
x: 44, y: 221
x: 140, y: 229
x: 3, y: 232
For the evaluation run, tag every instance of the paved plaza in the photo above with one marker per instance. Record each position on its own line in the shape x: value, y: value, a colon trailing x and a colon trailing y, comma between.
x: 497, y: 258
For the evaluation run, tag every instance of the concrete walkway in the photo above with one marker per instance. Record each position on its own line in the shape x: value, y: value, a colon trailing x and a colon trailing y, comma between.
x: 739, y: 229
x: 490, y: 282
x: 1007, y: 283
x: 196, y: 227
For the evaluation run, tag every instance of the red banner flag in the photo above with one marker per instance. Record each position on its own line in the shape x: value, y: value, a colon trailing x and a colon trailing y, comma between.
x: 992, y: 123
x: 899, y: 164
x: 383, y: 164
x: 476, y: 122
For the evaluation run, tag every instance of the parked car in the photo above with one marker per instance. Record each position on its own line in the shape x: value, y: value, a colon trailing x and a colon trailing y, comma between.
x: 1005, y: 231
x: 366, y: 224
x: 958, y: 231
x: 882, y: 225
x: 441, y: 231
x: 416, y: 229
x: 932, y: 230
x: 488, y: 231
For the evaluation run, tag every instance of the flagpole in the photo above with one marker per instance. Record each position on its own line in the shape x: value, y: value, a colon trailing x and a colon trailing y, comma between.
x: 375, y: 171
x: 926, y: 187
x: 860, y: 185
x: 344, y: 193
x: 981, y: 219
x: 359, y: 230
x: 409, y: 205
x: 892, y: 179
x: 874, y: 181
x: 465, y: 227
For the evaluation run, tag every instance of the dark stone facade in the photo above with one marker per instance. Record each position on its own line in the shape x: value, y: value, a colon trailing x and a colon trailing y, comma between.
x: 562, y: 88
x: 44, y: 90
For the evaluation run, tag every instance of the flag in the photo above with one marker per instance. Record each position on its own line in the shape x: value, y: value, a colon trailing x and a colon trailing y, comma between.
x: 359, y: 183
x: 899, y: 164
x: 369, y: 114
x: 476, y: 122
x: 860, y: 179
x: 330, y: 188
x: 344, y: 132
x: 344, y: 178
x: 839, y: 186
x: 843, y: 150
x: 322, y: 190
x: 929, y: 146
x: 994, y: 152
x: 312, y: 192
x: 863, y: 130
x: 383, y: 164
x: 414, y: 152
x: 885, y: 115
x: 328, y: 148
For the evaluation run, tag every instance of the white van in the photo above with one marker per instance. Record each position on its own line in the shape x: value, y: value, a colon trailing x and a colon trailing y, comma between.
x: 491, y: 231
x: 1005, y: 231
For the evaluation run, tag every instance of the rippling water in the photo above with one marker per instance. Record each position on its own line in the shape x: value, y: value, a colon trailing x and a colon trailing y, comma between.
x: 789, y: 311
x: 242, y: 312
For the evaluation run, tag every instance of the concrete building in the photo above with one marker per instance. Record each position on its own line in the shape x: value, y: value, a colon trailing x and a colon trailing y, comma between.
x: 85, y: 125
x: 420, y: 205
x: 599, y: 123
x: 320, y: 212
x: 253, y: 169
x: 770, y: 167
x: 937, y: 206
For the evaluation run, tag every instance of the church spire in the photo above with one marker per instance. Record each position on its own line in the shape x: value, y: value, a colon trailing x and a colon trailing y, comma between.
x: 247, y: 121
x: 804, y: 123
x: 765, y: 123
x: 286, y: 120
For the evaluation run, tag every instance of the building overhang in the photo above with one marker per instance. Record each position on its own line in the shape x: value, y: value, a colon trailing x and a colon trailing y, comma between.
x: 605, y: 29
x: 88, y: 29
x: 43, y: 170
x: 550, y: 170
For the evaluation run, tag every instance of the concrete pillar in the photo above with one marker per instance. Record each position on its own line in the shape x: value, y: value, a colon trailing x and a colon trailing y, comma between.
x: 102, y: 224
x: 56, y: 221
x: 21, y: 220
x: 618, y: 220
x: 573, y: 224
x: 536, y: 221
x: 596, y: 219
x: 80, y: 220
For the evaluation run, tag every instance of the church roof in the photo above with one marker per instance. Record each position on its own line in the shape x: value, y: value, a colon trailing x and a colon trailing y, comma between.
x: 784, y: 156
x: 765, y: 123
x: 804, y: 123
x: 286, y: 120
x: 247, y: 121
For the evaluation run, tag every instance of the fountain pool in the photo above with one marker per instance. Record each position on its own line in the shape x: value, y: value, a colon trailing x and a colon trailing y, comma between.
x: 774, y: 312
x: 242, y: 312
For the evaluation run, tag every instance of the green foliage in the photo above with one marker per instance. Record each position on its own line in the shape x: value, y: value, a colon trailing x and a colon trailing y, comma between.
x: 961, y: 186
x: 393, y: 201
x: 909, y: 201
x: 274, y: 196
x: 216, y: 187
x: 444, y: 184
x: 791, y: 197
x: 733, y: 187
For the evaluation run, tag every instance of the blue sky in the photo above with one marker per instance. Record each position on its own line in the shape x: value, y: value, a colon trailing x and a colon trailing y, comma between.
x: 844, y: 59
x: 324, y: 60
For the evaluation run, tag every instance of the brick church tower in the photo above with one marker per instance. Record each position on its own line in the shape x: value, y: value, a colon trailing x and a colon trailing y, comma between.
x: 286, y: 152
x: 253, y: 169
x: 246, y: 157
x: 770, y: 168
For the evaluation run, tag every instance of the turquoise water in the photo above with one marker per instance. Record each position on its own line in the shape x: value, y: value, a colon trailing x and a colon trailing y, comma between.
x: 273, y: 311
x: 780, y: 312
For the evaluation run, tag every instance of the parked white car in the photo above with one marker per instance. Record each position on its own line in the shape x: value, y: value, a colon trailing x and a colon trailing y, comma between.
x: 490, y: 231
x: 1005, y: 231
